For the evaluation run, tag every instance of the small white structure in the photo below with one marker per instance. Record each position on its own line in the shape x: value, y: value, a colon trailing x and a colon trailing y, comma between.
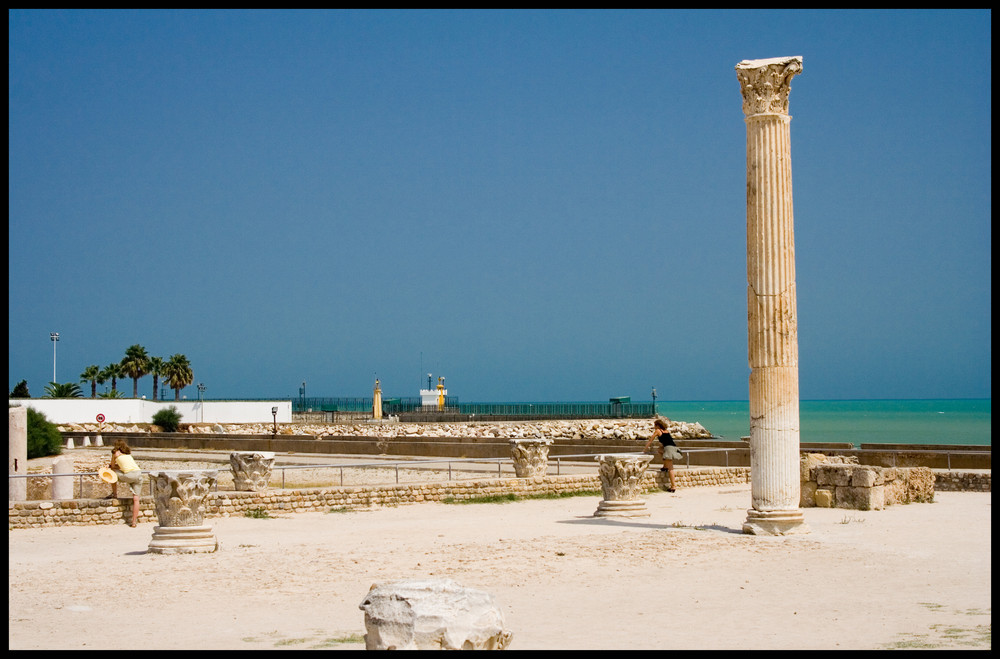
x: 433, y: 397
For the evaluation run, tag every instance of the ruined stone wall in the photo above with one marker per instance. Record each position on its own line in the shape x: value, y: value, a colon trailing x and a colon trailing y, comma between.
x: 840, y: 482
x: 963, y: 481
x: 83, y: 512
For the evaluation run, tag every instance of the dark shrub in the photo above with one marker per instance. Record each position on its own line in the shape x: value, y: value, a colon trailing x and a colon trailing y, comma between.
x: 43, y: 436
x: 168, y: 419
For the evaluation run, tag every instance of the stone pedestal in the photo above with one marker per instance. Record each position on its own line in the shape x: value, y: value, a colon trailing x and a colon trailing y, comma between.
x: 251, y: 470
x: 180, y: 498
x: 62, y: 486
x: 531, y: 457
x: 621, y: 480
x: 432, y: 614
x: 17, y: 453
x: 772, y: 325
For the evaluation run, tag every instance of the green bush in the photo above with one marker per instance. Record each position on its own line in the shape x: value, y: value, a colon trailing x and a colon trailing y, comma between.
x: 169, y: 419
x: 43, y: 436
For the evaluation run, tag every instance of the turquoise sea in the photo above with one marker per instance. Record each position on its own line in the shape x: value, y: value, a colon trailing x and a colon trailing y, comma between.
x: 946, y: 421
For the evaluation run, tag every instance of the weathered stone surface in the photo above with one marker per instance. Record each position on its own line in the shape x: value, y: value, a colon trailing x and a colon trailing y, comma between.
x: 17, y: 453
x: 867, y: 476
x: 531, y: 457
x: 772, y: 323
x: 824, y: 498
x: 621, y: 477
x: 180, y: 499
x: 861, y: 498
x: 432, y: 614
x: 807, y: 494
x: 841, y: 482
x: 585, y: 429
x: 62, y: 487
x: 251, y: 470
x: 833, y: 474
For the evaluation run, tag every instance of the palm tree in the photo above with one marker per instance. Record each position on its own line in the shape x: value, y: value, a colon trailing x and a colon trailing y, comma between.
x: 92, y: 374
x: 178, y: 373
x: 112, y: 372
x: 67, y: 390
x: 156, y: 365
x: 135, y: 365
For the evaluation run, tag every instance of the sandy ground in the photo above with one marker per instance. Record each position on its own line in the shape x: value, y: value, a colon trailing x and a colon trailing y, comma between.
x: 684, y: 577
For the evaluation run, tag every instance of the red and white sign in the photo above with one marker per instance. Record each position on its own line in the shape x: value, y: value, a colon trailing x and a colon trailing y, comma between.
x: 100, y: 418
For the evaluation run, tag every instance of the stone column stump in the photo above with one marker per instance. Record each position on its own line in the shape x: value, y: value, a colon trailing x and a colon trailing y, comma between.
x: 251, y: 470
x: 531, y: 456
x: 432, y: 614
x: 621, y: 483
x: 62, y: 486
x: 180, y: 508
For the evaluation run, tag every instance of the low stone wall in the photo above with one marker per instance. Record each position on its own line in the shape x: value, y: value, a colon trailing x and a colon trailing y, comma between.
x: 84, y: 512
x: 963, y: 481
x: 840, y: 482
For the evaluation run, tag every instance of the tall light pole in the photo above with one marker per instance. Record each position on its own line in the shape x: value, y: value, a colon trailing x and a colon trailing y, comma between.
x: 55, y: 337
x: 201, y: 404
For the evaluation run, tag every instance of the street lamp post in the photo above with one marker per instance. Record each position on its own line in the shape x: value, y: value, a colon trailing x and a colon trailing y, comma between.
x: 654, y: 401
x: 274, y: 413
x: 201, y: 405
x: 55, y: 337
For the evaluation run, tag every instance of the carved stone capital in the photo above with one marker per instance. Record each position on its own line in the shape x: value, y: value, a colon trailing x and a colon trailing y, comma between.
x: 180, y: 496
x: 765, y: 84
x: 251, y: 470
x: 621, y: 484
x: 530, y: 456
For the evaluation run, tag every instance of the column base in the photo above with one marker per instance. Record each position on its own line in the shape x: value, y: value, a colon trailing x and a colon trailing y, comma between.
x: 183, y: 540
x: 622, y: 509
x: 775, y: 522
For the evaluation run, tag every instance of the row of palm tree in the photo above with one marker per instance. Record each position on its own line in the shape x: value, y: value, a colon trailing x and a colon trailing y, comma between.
x: 176, y: 371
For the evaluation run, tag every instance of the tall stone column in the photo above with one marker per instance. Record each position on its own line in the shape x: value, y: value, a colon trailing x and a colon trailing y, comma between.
x: 772, y: 326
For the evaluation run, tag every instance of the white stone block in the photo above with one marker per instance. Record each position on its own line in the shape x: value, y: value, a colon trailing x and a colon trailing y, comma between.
x: 432, y: 614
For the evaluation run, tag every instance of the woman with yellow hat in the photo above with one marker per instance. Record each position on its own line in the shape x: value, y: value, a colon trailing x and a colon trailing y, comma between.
x: 124, y: 467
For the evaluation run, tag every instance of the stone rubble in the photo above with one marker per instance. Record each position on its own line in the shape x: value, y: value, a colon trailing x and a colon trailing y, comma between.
x: 585, y: 429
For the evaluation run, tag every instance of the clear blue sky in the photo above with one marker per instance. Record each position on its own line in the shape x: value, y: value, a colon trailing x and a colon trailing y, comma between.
x: 535, y: 205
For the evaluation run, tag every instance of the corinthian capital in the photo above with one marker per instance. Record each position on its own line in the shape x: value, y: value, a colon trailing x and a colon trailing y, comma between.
x: 765, y: 84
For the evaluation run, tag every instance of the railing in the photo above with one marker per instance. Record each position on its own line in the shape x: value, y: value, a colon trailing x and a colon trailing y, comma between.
x: 395, y: 406
x: 450, y: 462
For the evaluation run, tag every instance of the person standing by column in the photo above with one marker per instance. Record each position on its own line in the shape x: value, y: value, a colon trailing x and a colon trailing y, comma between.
x: 124, y: 466
x: 669, y: 449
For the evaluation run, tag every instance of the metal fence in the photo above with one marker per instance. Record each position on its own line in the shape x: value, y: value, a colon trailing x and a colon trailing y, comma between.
x: 453, y: 465
x: 527, y: 410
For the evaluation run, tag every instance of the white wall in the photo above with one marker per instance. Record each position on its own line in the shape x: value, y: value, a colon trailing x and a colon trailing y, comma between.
x: 137, y: 410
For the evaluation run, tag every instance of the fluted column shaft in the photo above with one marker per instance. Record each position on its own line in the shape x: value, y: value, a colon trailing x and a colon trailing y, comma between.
x: 772, y: 326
